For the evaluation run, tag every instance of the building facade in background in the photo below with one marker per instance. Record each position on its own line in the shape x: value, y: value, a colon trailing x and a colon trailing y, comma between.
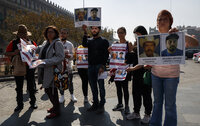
x: 37, y: 6
x: 191, y: 30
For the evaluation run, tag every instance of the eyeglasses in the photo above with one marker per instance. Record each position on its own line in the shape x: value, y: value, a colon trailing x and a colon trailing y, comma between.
x: 162, y: 19
x: 120, y: 32
x: 51, y: 32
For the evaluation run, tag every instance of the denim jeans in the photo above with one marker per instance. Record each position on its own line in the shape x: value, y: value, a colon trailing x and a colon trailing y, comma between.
x: 164, y: 89
x: 93, y: 71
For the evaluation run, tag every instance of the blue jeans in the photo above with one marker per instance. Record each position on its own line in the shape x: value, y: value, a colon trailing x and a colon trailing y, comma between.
x: 164, y: 89
x: 93, y: 71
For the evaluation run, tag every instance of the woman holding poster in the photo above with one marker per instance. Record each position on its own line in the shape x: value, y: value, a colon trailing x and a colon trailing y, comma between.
x: 52, y: 53
x: 121, y: 84
x: 165, y: 79
x: 82, y: 67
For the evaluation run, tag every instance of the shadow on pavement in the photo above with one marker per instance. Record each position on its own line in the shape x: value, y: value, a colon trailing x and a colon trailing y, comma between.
x: 65, y: 119
x: 93, y: 119
x: 44, y: 97
x: 15, y: 120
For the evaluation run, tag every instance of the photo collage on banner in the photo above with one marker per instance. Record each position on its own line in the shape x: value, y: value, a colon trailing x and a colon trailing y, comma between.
x: 28, y: 54
x: 87, y: 16
x: 161, y: 49
x: 118, y: 55
x: 117, y: 61
x: 82, y: 57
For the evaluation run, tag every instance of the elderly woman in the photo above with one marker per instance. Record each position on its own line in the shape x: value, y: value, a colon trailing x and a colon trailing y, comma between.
x: 165, y: 79
x: 52, y: 53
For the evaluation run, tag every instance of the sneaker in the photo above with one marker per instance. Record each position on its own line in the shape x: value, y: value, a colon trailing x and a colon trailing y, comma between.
x: 85, y: 99
x: 145, y: 119
x: 127, y: 110
x: 100, y: 110
x: 73, y: 98
x: 133, y: 116
x: 61, y: 99
x: 92, y: 108
x: 118, y: 107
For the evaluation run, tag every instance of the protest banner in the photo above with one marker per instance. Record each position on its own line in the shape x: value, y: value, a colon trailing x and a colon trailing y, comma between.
x: 161, y: 49
x: 82, y: 57
x: 118, y: 52
x: 28, y: 54
x: 87, y: 16
x: 121, y: 73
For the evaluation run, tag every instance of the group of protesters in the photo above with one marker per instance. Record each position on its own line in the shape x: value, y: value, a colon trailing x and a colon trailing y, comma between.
x: 57, y: 51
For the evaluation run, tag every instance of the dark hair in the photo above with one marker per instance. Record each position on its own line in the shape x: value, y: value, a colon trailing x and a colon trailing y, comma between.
x: 167, y: 14
x: 94, y: 9
x: 170, y: 36
x: 96, y: 26
x: 55, y: 30
x: 140, y: 29
x: 122, y: 28
x: 65, y: 29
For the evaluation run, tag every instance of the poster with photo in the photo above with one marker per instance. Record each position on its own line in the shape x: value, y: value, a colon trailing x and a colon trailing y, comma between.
x: 117, y: 55
x: 121, y: 73
x: 28, y: 54
x: 88, y: 16
x: 82, y: 57
x: 161, y: 49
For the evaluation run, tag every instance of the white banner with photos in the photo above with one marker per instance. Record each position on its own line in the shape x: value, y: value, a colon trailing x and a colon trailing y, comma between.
x: 117, y: 55
x: 120, y: 74
x: 82, y: 57
x: 28, y: 54
x: 87, y: 16
x: 161, y: 49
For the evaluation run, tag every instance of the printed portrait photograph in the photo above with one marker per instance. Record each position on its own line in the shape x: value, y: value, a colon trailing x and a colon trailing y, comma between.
x: 149, y: 46
x: 81, y: 14
x: 94, y: 14
x: 172, y: 45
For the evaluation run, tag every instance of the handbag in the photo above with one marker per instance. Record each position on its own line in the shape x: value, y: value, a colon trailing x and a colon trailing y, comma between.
x: 147, y: 78
x: 19, y: 66
x: 60, y: 78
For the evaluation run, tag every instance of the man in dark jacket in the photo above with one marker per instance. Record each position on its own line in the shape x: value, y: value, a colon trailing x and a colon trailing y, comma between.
x: 97, y: 57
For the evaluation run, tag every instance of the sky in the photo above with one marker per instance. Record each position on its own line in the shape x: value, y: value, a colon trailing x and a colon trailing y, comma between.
x: 131, y: 13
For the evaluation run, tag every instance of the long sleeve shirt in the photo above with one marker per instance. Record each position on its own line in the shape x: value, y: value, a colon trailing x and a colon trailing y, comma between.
x: 97, y: 50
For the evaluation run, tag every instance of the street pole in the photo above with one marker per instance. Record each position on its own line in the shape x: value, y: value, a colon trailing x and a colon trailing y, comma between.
x: 83, y: 3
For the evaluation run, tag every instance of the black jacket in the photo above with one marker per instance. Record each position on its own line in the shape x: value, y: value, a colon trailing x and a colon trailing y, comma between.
x: 137, y: 74
x: 97, y: 50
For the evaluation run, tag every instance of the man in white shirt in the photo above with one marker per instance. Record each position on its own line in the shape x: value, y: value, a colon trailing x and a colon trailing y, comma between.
x: 69, y: 52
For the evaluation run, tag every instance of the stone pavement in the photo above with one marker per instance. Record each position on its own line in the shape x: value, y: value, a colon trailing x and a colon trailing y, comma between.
x: 75, y: 114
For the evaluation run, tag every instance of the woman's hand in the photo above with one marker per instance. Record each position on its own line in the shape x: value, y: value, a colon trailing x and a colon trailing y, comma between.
x: 147, y: 67
x: 129, y: 69
x: 84, y: 27
x: 173, y: 30
x: 110, y: 49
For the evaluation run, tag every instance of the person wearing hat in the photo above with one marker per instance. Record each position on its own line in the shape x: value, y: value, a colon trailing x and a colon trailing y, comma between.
x: 149, y: 44
x: 11, y: 51
x: 80, y: 14
x: 171, y: 45
x: 93, y: 14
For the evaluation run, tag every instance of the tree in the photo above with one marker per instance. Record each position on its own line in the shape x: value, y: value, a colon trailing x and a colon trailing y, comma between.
x: 36, y: 24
